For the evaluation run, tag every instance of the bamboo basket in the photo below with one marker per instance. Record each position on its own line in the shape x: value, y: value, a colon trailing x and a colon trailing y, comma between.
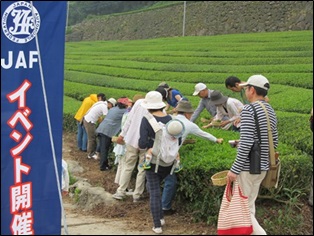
x: 220, y: 178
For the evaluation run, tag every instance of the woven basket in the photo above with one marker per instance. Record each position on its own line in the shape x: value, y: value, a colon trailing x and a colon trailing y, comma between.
x: 220, y: 178
x: 114, y: 139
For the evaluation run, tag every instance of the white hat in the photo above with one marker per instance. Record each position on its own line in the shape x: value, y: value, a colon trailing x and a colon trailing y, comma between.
x: 199, y: 87
x: 175, y: 128
x: 153, y: 100
x: 258, y: 81
x: 112, y: 101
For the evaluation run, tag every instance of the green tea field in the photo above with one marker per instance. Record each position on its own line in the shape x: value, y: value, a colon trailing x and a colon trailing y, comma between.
x: 126, y: 68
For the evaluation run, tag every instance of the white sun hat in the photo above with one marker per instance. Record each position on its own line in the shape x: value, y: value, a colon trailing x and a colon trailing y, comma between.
x: 153, y: 100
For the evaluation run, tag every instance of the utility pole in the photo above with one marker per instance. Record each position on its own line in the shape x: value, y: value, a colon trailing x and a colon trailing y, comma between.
x: 183, y: 30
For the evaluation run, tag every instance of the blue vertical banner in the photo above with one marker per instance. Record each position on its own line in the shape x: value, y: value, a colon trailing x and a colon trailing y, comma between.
x: 32, y: 73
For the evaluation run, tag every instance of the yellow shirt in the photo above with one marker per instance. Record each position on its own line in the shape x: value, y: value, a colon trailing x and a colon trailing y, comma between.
x: 87, y: 103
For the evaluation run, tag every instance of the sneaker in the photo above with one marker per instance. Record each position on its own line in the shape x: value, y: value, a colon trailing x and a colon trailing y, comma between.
x: 147, y: 166
x: 178, y: 168
x: 95, y: 156
x: 106, y: 168
x: 162, y: 222
x: 118, y: 196
x: 157, y: 230
x: 91, y: 155
x: 129, y: 192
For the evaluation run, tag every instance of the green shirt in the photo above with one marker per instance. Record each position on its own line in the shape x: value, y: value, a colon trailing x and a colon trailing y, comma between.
x: 244, y: 99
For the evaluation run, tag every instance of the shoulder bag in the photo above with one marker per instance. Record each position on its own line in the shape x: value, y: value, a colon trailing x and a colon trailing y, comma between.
x: 272, y: 177
x: 255, y: 153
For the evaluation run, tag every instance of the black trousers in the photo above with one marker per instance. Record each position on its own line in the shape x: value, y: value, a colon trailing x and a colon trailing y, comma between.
x: 104, y: 144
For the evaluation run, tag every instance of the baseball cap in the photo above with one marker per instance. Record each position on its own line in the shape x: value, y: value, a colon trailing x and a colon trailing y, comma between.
x: 112, y: 101
x: 257, y: 81
x: 199, y: 87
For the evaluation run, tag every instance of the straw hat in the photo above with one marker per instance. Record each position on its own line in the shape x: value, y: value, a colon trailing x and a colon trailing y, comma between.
x: 137, y: 97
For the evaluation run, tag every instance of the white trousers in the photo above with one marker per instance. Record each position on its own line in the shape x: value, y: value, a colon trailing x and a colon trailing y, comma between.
x: 132, y: 156
x: 250, y: 185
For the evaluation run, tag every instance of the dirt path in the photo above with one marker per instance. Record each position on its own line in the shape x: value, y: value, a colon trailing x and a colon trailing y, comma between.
x: 125, y: 217
x: 77, y: 223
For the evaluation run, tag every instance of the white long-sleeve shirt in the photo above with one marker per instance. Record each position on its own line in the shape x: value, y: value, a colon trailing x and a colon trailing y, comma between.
x: 192, y: 128
x: 131, y: 128
x: 234, y: 108
x: 96, y: 111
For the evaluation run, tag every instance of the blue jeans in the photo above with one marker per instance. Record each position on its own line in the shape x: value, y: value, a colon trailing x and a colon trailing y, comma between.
x: 81, y: 137
x: 169, y: 191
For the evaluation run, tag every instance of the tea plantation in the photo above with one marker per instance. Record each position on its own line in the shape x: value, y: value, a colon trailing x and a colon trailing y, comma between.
x: 125, y: 68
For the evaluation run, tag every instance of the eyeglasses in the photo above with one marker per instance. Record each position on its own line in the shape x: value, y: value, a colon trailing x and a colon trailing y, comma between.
x: 246, y: 88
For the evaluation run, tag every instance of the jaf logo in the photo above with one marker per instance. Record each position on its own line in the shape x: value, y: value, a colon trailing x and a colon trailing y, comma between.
x: 20, y: 22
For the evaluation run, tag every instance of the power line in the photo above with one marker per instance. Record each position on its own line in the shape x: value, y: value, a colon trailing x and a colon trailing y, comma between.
x: 183, y: 30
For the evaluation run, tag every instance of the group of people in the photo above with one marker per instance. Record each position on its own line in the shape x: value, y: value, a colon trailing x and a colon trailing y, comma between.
x: 98, y: 118
x: 136, y: 137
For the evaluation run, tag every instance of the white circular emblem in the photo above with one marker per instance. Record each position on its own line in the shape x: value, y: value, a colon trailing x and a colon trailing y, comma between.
x: 20, y: 22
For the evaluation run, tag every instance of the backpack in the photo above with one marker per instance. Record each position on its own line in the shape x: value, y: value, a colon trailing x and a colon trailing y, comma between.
x: 166, y: 146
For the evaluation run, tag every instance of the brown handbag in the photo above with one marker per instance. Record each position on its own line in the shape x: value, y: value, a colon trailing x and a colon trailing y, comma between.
x: 272, y: 176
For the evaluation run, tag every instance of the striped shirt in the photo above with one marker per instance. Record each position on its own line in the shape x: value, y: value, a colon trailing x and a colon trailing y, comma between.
x: 248, y: 134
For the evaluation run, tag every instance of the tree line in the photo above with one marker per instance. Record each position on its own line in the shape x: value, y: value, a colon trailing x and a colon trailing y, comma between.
x: 79, y: 10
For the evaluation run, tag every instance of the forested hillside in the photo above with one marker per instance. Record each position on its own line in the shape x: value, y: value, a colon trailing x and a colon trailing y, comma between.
x: 79, y: 10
